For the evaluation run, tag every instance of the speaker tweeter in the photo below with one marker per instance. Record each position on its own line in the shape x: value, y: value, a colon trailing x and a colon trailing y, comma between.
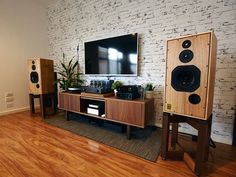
x: 186, y: 44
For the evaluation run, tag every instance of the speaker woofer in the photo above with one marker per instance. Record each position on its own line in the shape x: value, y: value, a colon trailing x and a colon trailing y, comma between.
x: 194, y: 99
x: 186, y: 78
x: 34, y: 77
x: 186, y: 44
x: 186, y: 56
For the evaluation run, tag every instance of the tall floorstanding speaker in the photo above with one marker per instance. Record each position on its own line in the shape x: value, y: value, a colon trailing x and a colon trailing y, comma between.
x: 41, y: 76
x: 190, y: 75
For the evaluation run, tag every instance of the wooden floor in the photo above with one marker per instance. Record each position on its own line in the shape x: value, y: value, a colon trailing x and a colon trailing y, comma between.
x: 30, y: 147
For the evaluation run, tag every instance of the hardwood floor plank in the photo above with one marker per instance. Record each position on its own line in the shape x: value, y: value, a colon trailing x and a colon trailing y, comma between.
x: 30, y: 147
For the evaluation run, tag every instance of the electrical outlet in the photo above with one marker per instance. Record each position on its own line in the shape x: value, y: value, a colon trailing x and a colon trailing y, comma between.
x: 9, y: 99
x: 9, y: 94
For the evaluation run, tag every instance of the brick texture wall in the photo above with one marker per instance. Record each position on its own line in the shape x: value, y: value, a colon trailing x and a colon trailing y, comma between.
x: 72, y: 22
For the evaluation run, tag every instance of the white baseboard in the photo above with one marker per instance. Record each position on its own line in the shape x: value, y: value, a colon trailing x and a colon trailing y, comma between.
x: 12, y: 111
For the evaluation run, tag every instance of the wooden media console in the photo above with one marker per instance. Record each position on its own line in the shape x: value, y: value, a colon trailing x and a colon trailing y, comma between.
x: 137, y: 113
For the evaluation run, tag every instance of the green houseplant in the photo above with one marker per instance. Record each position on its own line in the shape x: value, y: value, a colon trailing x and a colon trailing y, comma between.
x: 116, y: 85
x: 69, y: 74
x: 149, y: 88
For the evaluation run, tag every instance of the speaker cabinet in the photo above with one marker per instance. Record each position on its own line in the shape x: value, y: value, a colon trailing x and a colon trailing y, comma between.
x: 41, y: 76
x: 190, y: 75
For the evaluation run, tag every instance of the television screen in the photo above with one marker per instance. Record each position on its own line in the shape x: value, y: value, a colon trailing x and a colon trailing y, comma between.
x: 112, y: 56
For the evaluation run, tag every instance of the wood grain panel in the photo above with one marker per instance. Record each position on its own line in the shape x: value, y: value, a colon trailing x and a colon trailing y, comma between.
x: 69, y: 102
x: 128, y: 112
x: 211, y: 75
x: 30, y: 147
x: 176, y: 101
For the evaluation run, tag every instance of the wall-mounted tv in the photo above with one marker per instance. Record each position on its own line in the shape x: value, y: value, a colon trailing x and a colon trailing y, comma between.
x: 116, y: 56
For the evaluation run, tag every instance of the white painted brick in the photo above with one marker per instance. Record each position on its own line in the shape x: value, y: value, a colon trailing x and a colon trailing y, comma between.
x: 73, y: 22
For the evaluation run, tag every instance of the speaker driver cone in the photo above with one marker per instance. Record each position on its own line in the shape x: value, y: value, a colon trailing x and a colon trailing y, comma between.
x: 33, y: 67
x: 186, y: 44
x: 186, y: 78
x: 186, y: 56
x: 34, y: 77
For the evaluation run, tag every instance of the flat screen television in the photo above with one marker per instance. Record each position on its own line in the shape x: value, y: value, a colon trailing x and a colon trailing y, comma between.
x: 116, y: 56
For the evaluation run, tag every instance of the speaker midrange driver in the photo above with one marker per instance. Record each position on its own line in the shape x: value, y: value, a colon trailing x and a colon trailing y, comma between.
x: 186, y: 56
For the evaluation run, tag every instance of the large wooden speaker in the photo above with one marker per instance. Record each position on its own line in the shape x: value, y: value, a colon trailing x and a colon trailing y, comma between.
x: 190, y: 75
x: 41, y: 76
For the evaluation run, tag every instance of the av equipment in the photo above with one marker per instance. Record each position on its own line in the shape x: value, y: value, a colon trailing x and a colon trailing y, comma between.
x: 190, y: 75
x: 99, y: 86
x: 128, y: 92
x: 96, y: 109
x: 41, y: 76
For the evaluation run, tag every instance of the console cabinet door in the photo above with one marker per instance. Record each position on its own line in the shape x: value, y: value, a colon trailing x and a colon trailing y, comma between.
x: 69, y: 102
x: 125, y: 111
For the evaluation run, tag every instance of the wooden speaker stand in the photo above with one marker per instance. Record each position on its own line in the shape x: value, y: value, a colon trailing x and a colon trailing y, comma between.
x: 204, y: 133
x: 43, y: 108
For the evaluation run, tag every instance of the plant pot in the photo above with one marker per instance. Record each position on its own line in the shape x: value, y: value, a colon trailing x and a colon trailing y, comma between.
x: 115, y: 92
x: 149, y: 94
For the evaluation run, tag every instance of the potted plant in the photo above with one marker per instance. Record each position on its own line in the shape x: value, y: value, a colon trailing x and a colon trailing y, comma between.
x: 69, y: 74
x: 149, y: 88
x: 116, y: 85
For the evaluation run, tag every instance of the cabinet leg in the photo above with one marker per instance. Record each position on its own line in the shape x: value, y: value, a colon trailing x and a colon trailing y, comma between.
x: 128, y: 131
x: 165, y: 135
x: 42, y: 105
x: 174, y: 135
x: 67, y: 115
x: 55, y: 103
x: 201, y: 148
x: 31, y: 101
x: 208, y: 137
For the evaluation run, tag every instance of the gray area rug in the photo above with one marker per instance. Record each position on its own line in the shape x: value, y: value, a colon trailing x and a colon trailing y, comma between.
x: 144, y: 143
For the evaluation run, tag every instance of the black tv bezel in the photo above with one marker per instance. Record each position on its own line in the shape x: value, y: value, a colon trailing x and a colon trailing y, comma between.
x: 116, y: 75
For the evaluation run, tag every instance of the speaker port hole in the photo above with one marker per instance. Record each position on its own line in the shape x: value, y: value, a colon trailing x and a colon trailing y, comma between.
x: 194, y: 99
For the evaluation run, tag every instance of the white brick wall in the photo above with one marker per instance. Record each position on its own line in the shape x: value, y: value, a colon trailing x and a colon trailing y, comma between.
x: 72, y: 22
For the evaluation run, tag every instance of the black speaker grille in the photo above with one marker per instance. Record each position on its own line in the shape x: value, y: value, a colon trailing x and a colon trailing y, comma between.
x: 185, y: 78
